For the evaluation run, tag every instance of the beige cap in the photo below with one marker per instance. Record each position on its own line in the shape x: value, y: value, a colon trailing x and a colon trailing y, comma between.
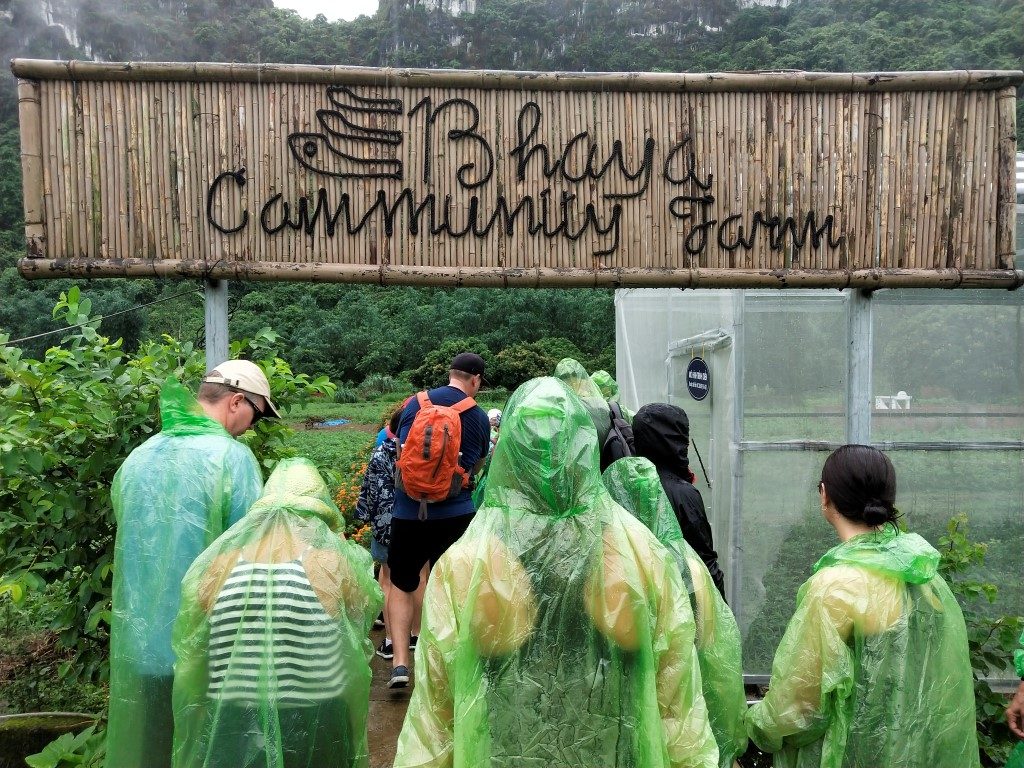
x: 246, y: 376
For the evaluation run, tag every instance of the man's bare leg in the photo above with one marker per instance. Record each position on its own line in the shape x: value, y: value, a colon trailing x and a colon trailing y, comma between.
x: 402, y: 608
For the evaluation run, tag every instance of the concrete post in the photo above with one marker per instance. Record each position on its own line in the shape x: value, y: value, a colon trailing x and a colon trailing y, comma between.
x: 216, y: 323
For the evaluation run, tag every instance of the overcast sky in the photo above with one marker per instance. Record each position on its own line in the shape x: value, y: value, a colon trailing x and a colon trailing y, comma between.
x: 332, y: 9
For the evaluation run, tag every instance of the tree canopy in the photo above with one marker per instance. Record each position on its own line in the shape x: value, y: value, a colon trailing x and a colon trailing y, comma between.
x: 351, y: 332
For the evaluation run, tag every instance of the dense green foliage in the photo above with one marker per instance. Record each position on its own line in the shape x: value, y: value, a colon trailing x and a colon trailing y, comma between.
x: 67, y: 421
x: 991, y: 640
x: 354, y: 331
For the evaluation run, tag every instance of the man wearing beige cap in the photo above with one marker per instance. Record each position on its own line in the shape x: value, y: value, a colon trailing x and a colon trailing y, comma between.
x: 172, y: 497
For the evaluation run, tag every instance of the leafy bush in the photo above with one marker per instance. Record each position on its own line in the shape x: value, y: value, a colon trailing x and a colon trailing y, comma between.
x: 520, y: 362
x: 378, y: 385
x: 346, y: 394
x: 67, y: 422
x: 33, y: 662
x: 87, y: 749
x: 434, y: 370
x: 991, y: 640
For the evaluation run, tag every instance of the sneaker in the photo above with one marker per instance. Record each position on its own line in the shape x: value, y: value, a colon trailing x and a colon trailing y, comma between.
x: 412, y: 642
x: 386, y: 650
x: 378, y: 623
x: 399, y: 677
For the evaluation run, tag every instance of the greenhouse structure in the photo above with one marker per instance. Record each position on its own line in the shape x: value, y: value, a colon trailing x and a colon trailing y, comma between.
x: 935, y: 378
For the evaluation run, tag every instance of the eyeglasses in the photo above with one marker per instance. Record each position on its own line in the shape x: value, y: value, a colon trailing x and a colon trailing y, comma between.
x: 257, y: 412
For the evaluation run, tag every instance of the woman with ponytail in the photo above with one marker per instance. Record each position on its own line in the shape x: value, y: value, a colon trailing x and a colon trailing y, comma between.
x: 873, y: 669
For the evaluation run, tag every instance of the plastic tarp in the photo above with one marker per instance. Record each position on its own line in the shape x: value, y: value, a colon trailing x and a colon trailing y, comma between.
x: 634, y: 483
x: 873, y: 668
x: 556, y: 631
x: 172, y: 497
x: 575, y: 376
x: 273, y: 637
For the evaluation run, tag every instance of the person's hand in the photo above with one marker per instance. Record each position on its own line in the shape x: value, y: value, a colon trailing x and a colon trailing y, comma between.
x: 1015, y: 712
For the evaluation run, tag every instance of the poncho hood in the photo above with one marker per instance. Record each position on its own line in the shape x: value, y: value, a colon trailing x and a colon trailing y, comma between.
x: 604, y: 382
x: 634, y: 483
x: 661, y: 433
x: 546, y: 460
x: 181, y: 414
x: 575, y: 376
x: 906, y: 556
x: 295, y: 486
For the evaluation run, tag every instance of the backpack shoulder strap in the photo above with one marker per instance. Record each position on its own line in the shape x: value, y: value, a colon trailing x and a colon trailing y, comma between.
x: 464, y: 405
x: 423, y: 399
x: 615, y: 409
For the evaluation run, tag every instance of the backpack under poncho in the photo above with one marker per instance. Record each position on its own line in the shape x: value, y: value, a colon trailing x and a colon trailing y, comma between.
x: 556, y: 630
x: 634, y: 483
x: 272, y: 637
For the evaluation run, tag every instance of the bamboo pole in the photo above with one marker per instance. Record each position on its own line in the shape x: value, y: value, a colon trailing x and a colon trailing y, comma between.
x: 29, y: 115
x: 1005, y: 203
x: 817, y: 82
x: 54, y: 209
x: 37, y: 268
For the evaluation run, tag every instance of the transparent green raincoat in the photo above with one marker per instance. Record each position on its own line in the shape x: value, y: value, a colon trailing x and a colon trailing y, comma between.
x: 272, y: 639
x: 1017, y: 756
x: 172, y: 497
x: 634, y: 483
x: 556, y: 631
x: 578, y: 380
x: 873, y: 669
x: 605, y: 382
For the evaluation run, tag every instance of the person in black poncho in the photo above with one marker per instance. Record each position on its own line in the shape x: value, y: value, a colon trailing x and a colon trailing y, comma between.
x: 661, y: 433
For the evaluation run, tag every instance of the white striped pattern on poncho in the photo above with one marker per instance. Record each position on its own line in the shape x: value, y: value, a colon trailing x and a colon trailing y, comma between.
x: 271, y: 639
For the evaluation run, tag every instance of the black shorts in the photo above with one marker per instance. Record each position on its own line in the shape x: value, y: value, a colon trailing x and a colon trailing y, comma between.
x: 415, y: 542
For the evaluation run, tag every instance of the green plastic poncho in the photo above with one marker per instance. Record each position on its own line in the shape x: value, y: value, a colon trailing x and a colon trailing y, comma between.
x: 172, y: 497
x: 575, y: 376
x: 1018, y: 658
x: 556, y: 631
x: 1017, y: 756
x: 272, y: 638
x: 634, y: 483
x: 606, y: 383
x: 873, y: 669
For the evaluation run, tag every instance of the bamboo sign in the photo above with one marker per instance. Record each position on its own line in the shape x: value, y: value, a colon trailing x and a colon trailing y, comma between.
x: 500, y: 178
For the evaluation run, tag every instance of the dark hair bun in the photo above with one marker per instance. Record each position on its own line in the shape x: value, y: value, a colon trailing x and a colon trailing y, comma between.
x: 876, y: 513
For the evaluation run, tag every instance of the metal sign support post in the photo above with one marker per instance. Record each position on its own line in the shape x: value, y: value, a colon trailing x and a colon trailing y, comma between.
x: 216, y: 304
x: 858, y: 372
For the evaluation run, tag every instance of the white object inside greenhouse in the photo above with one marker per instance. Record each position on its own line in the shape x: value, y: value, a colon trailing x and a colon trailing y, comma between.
x: 794, y: 375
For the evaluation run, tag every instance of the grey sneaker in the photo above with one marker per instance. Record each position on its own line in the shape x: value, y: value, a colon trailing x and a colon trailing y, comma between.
x: 399, y: 677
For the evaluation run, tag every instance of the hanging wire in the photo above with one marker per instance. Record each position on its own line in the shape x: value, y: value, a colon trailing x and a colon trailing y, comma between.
x: 102, y: 317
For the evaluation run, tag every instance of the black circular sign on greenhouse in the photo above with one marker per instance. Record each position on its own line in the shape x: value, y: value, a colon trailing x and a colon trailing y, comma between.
x: 698, y: 379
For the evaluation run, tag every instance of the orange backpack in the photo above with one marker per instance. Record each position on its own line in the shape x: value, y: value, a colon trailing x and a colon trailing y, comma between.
x: 428, y: 468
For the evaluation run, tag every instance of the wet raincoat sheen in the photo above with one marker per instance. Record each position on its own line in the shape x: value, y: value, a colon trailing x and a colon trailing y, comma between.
x: 606, y: 383
x: 172, y: 497
x: 634, y: 483
x: 575, y: 376
x: 556, y: 631
x: 272, y: 638
x: 873, y: 669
